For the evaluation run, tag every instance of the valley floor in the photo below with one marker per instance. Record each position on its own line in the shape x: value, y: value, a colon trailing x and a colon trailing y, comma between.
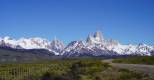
x: 148, y: 69
x: 75, y: 69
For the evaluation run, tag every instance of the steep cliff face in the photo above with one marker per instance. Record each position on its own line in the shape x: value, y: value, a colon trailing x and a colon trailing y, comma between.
x: 95, y: 45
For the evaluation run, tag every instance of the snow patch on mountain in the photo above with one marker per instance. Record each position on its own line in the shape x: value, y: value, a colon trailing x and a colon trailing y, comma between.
x: 33, y: 43
x: 95, y: 45
x: 57, y: 46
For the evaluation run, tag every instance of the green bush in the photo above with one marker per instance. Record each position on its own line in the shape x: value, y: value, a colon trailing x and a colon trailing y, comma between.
x: 136, y: 60
x: 67, y: 69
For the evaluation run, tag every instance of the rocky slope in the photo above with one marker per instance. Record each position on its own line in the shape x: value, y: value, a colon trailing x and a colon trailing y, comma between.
x: 94, y: 45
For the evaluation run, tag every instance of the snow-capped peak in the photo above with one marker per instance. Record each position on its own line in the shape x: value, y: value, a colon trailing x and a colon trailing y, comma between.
x: 95, y: 45
x: 96, y: 39
x: 74, y: 45
x: 57, y: 46
x: 32, y: 43
x: 112, y: 45
x: 98, y: 36
x: 7, y: 38
x: 90, y: 40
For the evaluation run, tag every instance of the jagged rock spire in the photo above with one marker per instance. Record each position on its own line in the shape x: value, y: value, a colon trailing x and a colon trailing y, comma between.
x: 98, y: 36
x: 89, y: 40
x: 57, y: 45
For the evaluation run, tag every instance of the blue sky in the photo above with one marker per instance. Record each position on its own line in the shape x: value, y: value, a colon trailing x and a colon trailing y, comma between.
x: 128, y: 21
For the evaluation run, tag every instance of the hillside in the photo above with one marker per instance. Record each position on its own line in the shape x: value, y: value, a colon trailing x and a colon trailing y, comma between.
x: 9, y: 54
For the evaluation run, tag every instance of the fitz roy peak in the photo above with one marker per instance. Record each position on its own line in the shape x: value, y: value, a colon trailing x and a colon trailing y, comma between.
x: 95, y: 45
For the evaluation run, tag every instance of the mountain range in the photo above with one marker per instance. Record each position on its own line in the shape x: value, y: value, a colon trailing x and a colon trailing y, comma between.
x: 94, y: 45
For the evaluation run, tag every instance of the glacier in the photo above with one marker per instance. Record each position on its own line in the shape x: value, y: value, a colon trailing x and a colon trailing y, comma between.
x: 94, y: 45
